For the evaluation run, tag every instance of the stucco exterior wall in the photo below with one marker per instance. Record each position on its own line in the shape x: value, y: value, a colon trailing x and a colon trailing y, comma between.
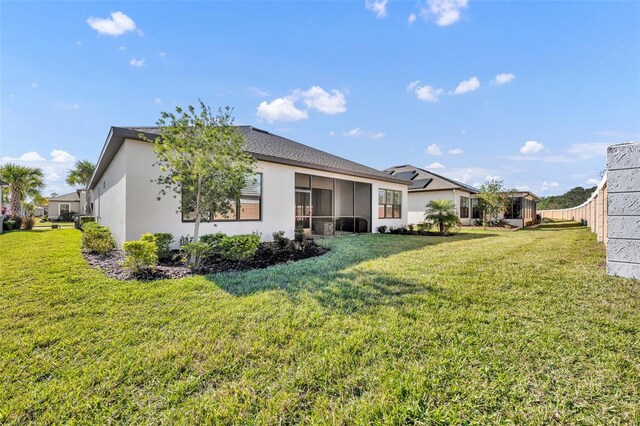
x: 110, y: 196
x: 54, y: 208
x: 134, y: 199
x: 623, y: 210
x: 418, y: 201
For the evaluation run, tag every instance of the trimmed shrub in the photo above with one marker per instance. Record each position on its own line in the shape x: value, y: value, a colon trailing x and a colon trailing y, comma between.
x: 163, y: 241
x: 299, y: 236
x: 141, y: 255
x: 66, y: 217
x: 28, y: 222
x: 97, y: 239
x: 239, y: 247
x: 196, y: 250
x: 17, y: 222
x: 80, y: 221
x: 281, y: 241
x: 382, y: 229
x: 213, y: 241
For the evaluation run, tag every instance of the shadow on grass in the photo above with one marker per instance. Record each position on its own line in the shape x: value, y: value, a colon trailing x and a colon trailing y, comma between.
x: 558, y: 226
x: 333, y: 281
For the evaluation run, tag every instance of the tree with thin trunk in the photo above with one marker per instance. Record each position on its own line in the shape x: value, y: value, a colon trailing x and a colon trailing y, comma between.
x: 494, y: 199
x: 80, y: 175
x: 202, y: 161
x: 441, y: 213
x: 23, y: 182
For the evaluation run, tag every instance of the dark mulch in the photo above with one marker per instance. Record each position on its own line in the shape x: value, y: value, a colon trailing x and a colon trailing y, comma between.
x: 267, y: 255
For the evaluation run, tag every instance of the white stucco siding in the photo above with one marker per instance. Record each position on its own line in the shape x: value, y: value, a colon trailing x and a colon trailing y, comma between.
x: 418, y: 202
x: 459, y: 194
x: 145, y: 213
x: 110, y: 196
x: 54, y: 208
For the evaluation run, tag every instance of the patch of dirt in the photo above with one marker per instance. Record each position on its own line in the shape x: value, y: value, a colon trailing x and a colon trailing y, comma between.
x: 267, y: 255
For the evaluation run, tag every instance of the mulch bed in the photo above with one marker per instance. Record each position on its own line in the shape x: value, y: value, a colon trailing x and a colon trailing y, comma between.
x: 267, y: 255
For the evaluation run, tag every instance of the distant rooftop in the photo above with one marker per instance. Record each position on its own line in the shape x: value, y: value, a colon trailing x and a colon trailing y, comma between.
x: 425, y: 180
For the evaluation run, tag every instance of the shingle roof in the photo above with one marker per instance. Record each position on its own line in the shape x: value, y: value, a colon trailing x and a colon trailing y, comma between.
x: 72, y: 196
x: 269, y: 147
x: 424, y: 180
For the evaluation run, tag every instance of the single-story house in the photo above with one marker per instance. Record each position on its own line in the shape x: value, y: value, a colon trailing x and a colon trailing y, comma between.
x: 63, y: 203
x: 294, y: 185
x: 425, y: 186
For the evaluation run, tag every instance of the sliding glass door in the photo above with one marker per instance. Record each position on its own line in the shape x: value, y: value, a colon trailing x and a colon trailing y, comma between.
x: 326, y: 206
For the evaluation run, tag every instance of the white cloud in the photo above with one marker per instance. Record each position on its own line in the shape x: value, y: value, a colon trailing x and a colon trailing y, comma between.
x: 444, y: 12
x: 318, y: 98
x: 491, y: 177
x: 78, y: 43
x: 466, y: 86
x: 138, y: 62
x: 27, y: 157
x: 503, y: 79
x: 60, y: 156
x: 413, y: 85
x: 359, y: 133
x: 531, y: 147
x: 379, y: 7
x: 162, y: 55
x: 433, y: 149
x: 34, y: 85
x: 522, y: 187
x: 456, y: 151
x: 593, y: 181
x: 546, y: 185
x: 122, y: 48
x: 54, y: 168
x: 256, y: 91
x: 412, y: 18
x: 332, y: 133
x: 157, y: 100
x: 469, y: 174
x: 116, y: 25
x: 435, y: 165
x: 280, y: 109
x: 428, y: 93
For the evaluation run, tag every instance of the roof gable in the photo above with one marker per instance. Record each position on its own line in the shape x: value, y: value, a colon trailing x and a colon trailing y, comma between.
x: 424, y: 180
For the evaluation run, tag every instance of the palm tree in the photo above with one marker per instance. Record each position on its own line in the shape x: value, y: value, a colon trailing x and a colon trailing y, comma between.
x: 80, y: 175
x: 23, y: 182
x: 441, y: 213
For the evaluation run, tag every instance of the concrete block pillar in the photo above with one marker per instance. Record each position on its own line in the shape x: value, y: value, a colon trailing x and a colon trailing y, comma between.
x: 623, y: 210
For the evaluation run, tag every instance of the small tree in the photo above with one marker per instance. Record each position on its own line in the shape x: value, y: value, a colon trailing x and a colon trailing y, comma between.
x: 23, y: 182
x: 441, y: 213
x: 80, y: 175
x: 494, y: 199
x: 202, y: 161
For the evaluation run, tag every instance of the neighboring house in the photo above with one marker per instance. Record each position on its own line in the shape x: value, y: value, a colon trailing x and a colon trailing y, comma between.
x: 64, y: 203
x: 4, y: 211
x: 294, y: 185
x: 425, y: 186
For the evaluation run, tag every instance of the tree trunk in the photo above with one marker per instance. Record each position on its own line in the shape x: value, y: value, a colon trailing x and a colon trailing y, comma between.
x: 196, y: 227
x: 441, y: 225
x: 87, y: 204
x: 15, y: 203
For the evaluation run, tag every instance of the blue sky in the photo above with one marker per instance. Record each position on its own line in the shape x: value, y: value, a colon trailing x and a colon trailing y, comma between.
x: 531, y: 92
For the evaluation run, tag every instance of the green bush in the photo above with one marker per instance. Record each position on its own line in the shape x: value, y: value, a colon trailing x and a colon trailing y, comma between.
x: 82, y: 220
x: 141, y: 255
x: 299, y: 236
x: 382, y: 229
x: 97, y: 238
x: 9, y: 225
x: 281, y: 241
x: 213, y: 241
x: 28, y: 222
x: 66, y: 217
x: 163, y: 241
x: 239, y: 247
x: 194, y: 253
x: 17, y: 222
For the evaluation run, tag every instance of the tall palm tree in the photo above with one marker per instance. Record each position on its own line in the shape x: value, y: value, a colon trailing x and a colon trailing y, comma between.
x: 80, y: 175
x: 23, y: 182
x: 441, y: 213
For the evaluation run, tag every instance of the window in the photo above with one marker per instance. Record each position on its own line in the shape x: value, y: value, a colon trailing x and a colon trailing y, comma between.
x: 514, y: 210
x: 64, y: 208
x: 475, y: 208
x: 464, y: 207
x: 247, y: 208
x: 389, y: 204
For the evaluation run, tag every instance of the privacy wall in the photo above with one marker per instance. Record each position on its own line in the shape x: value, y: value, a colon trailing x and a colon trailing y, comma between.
x: 613, y: 210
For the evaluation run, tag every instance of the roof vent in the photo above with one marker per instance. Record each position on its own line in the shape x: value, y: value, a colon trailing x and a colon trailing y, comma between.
x: 260, y: 130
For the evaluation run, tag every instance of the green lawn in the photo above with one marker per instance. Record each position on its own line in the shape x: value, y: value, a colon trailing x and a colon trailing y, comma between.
x: 481, y: 328
x: 48, y: 224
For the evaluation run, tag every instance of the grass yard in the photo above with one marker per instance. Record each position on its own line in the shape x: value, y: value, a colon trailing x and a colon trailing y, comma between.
x: 47, y: 224
x: 481, y: 328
